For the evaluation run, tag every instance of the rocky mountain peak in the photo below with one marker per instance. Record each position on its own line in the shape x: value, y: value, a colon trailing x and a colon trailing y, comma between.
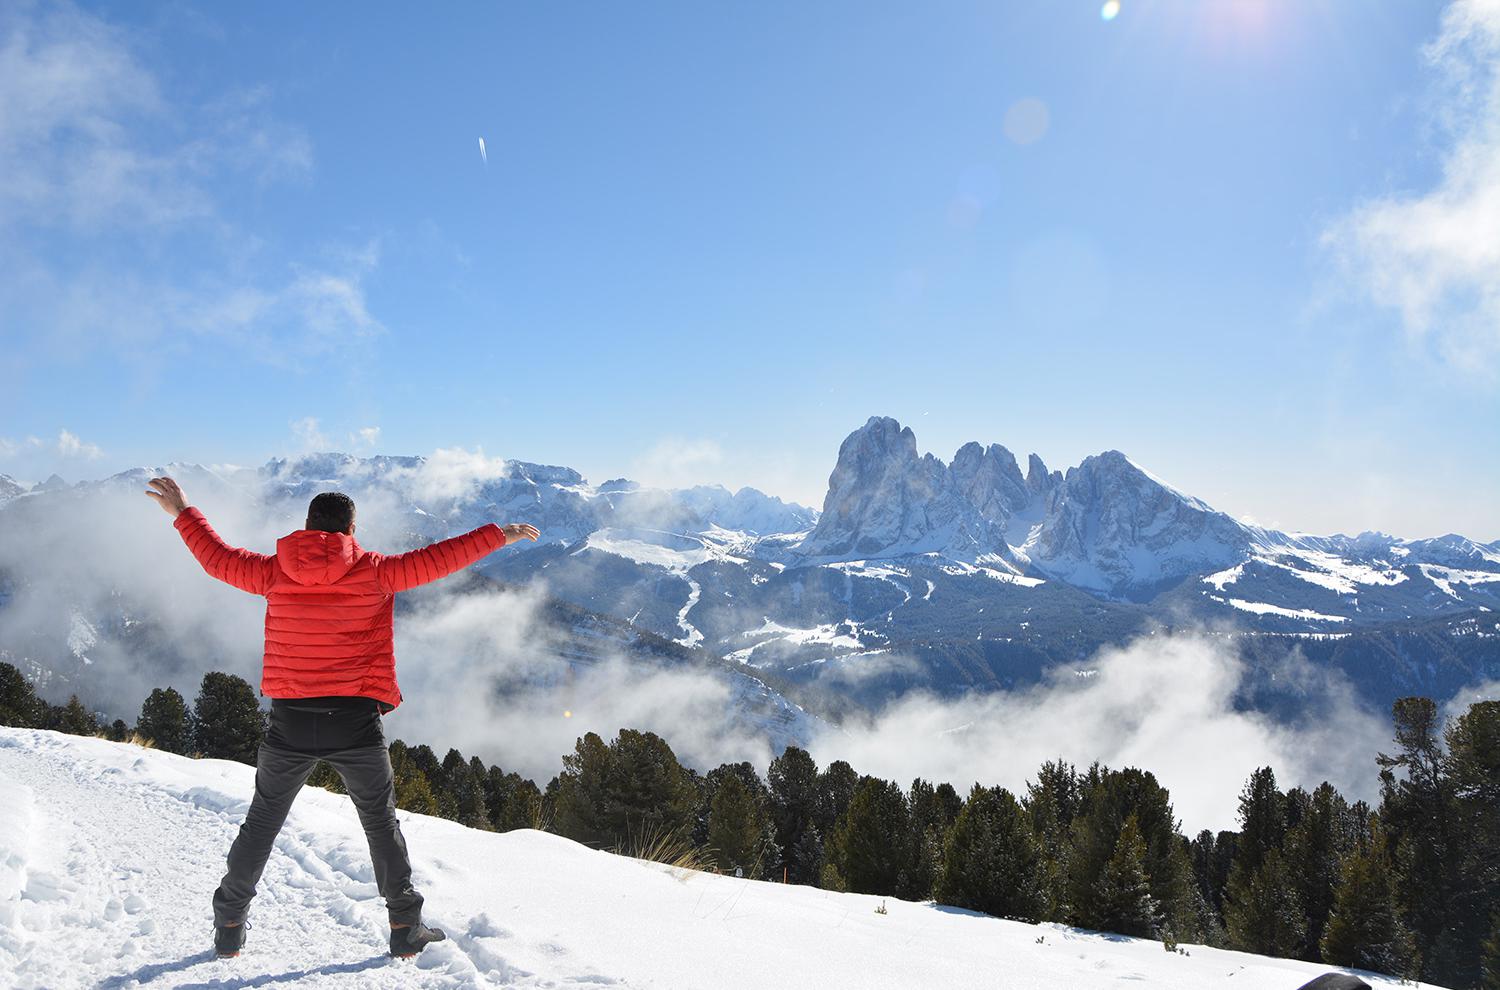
x: 989, y: 479
x: 1040, y: 481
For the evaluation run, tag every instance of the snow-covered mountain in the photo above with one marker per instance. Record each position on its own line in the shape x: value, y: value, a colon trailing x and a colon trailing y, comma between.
x: 953, y: 576
x: 1107, y: 526
x: 109, y: 855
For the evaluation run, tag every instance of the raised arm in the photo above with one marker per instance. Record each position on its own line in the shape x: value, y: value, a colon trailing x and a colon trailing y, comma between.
x: 245, y: 569
x: 401, y: 571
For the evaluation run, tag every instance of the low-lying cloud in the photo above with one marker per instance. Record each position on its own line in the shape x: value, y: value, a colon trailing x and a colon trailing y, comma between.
x: 1164, y: 703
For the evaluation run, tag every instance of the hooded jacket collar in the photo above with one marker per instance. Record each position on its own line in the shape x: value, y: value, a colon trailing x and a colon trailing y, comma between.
x: 313, y: 557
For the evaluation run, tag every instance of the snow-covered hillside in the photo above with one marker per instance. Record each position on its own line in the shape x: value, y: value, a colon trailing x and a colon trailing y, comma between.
x: 109, y: 854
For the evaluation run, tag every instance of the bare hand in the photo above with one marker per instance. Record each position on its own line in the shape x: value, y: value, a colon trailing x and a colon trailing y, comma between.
x: 168, y: 495
x: 519, y: 531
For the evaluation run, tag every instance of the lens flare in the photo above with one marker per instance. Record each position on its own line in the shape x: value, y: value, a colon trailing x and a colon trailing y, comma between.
x: 1110, y: 10
x: 1026, y: 121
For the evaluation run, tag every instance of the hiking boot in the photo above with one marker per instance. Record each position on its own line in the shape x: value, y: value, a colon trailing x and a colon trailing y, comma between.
x: 229, y: 939
x: 408, y: 941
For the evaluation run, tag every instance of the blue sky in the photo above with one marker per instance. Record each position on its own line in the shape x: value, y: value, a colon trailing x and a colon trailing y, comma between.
x: 1241, y: 240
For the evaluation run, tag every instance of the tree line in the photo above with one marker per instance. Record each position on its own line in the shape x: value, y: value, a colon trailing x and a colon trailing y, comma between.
x: 1410, y: 887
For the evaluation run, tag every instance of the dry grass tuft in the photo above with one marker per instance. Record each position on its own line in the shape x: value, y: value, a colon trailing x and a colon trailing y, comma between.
x: 656, y: 844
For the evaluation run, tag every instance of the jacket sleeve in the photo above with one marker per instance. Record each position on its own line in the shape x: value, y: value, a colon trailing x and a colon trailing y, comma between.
x: 401, y: 571
x: 245, y: 569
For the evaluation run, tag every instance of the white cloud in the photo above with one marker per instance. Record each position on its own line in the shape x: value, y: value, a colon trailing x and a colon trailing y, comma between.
x: 309, y: 434
x: 674, y: 462
x: 1434, y: 256
x: 68, y: 445
x: 367, y: 437
x: 110, y: 174
x: 1162, y: 703
x: 453, y: 471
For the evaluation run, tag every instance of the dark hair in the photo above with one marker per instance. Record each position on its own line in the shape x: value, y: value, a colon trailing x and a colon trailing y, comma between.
x: 331, y: 512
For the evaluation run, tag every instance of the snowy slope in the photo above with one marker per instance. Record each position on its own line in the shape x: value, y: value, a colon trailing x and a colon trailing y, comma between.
x: 109, y: 854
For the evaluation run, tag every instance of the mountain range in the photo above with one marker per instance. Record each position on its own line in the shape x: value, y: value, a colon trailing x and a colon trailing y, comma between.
x: 916, y: 573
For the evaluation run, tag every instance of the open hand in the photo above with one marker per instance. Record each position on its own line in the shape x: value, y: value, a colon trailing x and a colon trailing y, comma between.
x: 168, y: 495
x: 519, y: 531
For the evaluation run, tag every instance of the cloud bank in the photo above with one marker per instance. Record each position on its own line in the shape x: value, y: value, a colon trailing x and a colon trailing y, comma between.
x: 1434, y: 255
x: 1164, y: 703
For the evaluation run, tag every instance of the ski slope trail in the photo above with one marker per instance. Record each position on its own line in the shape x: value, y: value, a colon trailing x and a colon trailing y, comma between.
x: 109, y: 855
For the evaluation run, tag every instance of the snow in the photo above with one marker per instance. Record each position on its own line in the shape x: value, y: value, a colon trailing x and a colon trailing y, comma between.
x: 81, y: 636
x: 1220, y: 579
x: 959, y: 568
x: 673, y: 551
x: 109, y: 855
x: 691, y: 636
x: 880, y: 572
x: 1261, y: 608
x: 1335, y: 573
x: 1446, y: 577
x: 839, y: 635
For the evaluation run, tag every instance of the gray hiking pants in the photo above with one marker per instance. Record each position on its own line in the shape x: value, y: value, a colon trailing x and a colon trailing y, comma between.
x: 347, y: 733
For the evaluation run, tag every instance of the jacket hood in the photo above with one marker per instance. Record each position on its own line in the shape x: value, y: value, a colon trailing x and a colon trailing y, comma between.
x: 311, y: 556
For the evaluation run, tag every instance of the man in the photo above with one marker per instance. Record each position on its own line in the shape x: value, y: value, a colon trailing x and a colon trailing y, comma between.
x: 330, y: 672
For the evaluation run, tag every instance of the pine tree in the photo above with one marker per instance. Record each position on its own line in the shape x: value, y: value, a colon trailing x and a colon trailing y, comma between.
x: 1420, y: 816
x: 425, y: 760
x: 1123, y: 894
x: 164, y: 721
x: 806, y: 857
x: 1052, y: 802
x: 1262, y: 910
x: 74, y: 719
x: 1314, y: 847
x: 19, y: 705
x: 118, y: 731
x: 413, y: 790
x: 737, y: 824
x: 1473, y: 770
x: 325, y: 776
x: 836, y: 786
x: 1364, y: 928
x: 581, y: 803
x: 928, y: 830
x: 648, y: 792
x: 227, y: 721
x: 708, y: 788
x: 527, y: 808
x: 464, y: 793
x: 1108, y: 798
x: 623, y: 793
x: 793, y: 780
x: 871, y: 842
x: 991, y: 861
x: 499, y: 790
x: 1262, y: 820
x: 1489, y: 959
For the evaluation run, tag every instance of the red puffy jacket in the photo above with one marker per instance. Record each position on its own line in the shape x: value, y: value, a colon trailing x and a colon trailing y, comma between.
x: 329, y: 603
